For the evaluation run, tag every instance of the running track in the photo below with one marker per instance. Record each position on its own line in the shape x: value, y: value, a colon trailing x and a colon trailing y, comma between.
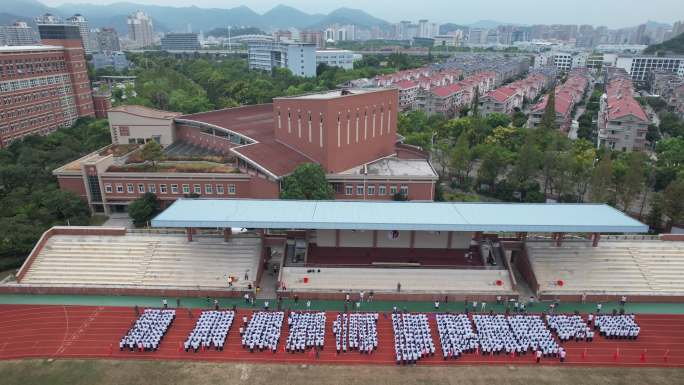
x: 49, y: 331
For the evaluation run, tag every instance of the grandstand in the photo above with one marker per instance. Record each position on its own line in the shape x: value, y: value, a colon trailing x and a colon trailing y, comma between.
x: 143, y: 260
x: 615, y: 267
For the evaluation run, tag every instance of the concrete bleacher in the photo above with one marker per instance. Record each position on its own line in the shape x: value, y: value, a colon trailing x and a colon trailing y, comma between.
x: 384, y: 280
x: 614, y: 267
x: 144, y: 260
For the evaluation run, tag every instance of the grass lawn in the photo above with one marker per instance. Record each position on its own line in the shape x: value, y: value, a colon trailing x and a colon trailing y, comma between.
x: 106, y: 372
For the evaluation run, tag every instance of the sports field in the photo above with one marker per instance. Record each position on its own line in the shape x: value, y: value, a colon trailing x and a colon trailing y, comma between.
x: 108, y: 372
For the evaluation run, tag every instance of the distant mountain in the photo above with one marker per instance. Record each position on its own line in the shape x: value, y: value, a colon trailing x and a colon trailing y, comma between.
x: 351, y: 16
x: 283, y: 16
x: 178, y: 18
x: 674, y: 46
x: 450, y: 27
x: 656, y: 24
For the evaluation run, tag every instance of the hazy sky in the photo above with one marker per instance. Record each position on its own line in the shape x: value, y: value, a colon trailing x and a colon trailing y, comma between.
x: 613, y: 13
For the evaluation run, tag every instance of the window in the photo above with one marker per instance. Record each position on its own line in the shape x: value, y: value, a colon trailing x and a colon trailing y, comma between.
x: 162, y: 188
x: 382, y: 190
x: 371, y: 190
x: 208, y: 189
x: 359, y: 190
x: 129, y: 188
x: 393, y: 190
x: 348, y: 190
x: 124, y: 131
x: 108, y: 188
x: 231, y: 189
x: 141, y: 188
x: 404, y: 190
x: 186, y: 189
x: 152, y: 188
x: 174, y: 189
x: 219, y: 189
x: 197, y: 189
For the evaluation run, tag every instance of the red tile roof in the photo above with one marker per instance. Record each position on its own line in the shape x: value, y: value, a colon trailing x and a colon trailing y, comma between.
x: 405, y: 84
x: 254, y: 121
x: 446, y: 91
x: 279, y: 159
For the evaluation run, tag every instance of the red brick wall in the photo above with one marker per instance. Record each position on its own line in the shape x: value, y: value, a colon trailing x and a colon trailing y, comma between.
x: 73, y: 184
x: 102, y: 104
x: 334, y: 157
x: 416, y: 190
x: 243, y: 187
x: 261, y: 188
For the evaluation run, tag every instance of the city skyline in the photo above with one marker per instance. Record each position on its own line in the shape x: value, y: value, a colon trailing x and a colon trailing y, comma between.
x: 629, y: 13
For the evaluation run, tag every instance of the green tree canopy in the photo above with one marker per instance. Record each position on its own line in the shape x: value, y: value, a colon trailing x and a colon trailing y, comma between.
x: 307, y: 182
x: 143, y: 209
x: 548, y: 120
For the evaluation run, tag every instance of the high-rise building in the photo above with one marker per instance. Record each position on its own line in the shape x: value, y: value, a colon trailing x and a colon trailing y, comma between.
x: 314, y: 37
x: 82, y: 23
x: 43, y: 87
x: 69, y: 37
x: 108, y: 40
x: 47, y: 18
x: 140, y: 29
x: 18, y: 33
x: 180, y: 42
x: 299, y: 58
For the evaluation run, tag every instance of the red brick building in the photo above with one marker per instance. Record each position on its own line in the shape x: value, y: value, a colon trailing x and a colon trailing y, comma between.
x: 245, y: 152
x: 43, y: 88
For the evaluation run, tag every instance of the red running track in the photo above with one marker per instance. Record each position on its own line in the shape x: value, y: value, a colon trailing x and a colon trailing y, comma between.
x: 33, y: 331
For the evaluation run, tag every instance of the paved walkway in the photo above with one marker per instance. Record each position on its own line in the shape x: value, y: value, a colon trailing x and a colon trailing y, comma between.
x: 382, y: 306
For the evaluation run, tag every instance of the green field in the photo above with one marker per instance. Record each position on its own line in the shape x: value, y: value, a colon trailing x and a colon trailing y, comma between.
x: 92, y: 372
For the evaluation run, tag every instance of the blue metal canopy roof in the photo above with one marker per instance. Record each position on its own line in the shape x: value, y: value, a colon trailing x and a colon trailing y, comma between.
x: 374, y: 215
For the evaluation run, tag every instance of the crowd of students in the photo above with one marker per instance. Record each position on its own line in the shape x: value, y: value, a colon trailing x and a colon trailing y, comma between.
x: 569, y: 327
x: 515, y: 334
x: 211, y: 329
x: 456, y: 335
x: 148, y: 330
x: 412, y: 337
x: 307, y: 330
x: 356, y: 331
x: 263, y: 331
x: 617, y: 326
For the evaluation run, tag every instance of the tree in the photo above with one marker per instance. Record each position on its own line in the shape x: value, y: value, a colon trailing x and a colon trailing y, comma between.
x: 601, y: 179
x: 629, y: 173
x: 527, y: 162
x: 143, y: 209
x: 494, y: 161
x: 497, y: 119
x: 654, y: 219
x: 548, y: 120
x: 519, y: 119
x: 307, y: 182
x: 673, y: 204
x: 475, y: 107
x: 152, y: 152
x: 462, y: 158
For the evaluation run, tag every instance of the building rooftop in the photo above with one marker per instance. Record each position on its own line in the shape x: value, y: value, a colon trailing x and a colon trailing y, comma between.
x: 145, y: 112
x: 334, y: 94
x: 254, y: 122
x: 365, y: 215
x: 395, y: 167
x: 25, y: 48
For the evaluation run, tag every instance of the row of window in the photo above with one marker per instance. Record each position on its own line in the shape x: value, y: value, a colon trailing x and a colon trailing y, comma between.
x: 30, y: 110
x: 219, y: 189
x: 31, y: 96
x: 68, y: 114
x: 22, y: 84
x: 371, y: 190
x: 32, y: 66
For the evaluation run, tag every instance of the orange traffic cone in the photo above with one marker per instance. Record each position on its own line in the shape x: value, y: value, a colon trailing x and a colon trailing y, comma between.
x: 584, y: 354
x: 616, y: 355
x: 642, y: 358
x: 665, y: 357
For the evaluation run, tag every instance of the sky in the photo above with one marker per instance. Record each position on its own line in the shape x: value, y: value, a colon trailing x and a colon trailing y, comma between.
x: 612, y: 13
